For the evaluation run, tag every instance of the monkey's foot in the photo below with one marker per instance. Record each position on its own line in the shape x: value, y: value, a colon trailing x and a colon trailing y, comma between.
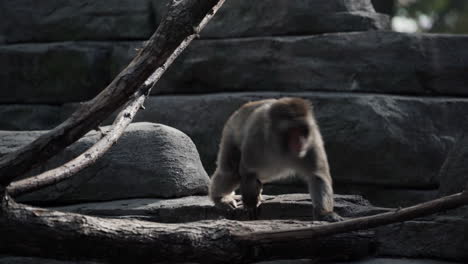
x: 331, y: 217
x: 225, y: 203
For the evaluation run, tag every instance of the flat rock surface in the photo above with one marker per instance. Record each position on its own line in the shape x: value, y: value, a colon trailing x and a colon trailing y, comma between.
x: 195, y: 208
x: 149, y: 160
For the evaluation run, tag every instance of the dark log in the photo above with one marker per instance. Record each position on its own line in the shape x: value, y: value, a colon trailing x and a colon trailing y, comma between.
x: 361, y: 223
x: 182, y: 24
x: 38, y: 232
x: 51, y: 177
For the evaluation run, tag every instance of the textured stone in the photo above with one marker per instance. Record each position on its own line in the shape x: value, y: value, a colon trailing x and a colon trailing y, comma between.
x: 32, y: 260
x: 454, y: 174
x: 149, y: 160
x: 391, y: 141
x: 440, y: 237
x: 365, y: 261
x: 374, y: 61
x: 196, y: 208
x: 27, y: 21
x: 384, y: 142
x: 243, y: 18
x: 33, y: 116
x: 52, y: 20
x: 53, y: 73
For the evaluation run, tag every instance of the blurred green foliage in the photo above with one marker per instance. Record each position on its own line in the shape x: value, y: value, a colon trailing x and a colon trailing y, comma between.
x: 441, y: 16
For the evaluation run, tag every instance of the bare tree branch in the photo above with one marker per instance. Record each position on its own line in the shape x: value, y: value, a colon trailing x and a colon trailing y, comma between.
x: 40, y: 232
x: 34, y: 231
x: 183, y: 22
x: 124, y: 118
x: 360, y: 223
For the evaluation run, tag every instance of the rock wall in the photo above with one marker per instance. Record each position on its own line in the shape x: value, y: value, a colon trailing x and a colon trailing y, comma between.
x: 388, y: 103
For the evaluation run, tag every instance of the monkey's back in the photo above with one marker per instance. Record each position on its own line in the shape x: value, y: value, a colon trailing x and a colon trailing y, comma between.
x: 247, y: 114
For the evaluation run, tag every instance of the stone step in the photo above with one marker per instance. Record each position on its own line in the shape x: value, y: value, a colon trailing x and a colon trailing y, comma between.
x: 243, y: 18
x: 137, y: 19
x: 375, y: 62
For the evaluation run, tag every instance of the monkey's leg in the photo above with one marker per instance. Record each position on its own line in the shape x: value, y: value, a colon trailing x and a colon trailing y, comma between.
x: 226, y: 177
x: 251, y: 189
x: 321, y: 194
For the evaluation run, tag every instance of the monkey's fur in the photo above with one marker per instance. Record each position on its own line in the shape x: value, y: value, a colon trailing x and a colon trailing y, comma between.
x: 270, y: 139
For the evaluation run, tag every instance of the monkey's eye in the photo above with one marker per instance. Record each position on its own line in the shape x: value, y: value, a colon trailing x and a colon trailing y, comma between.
x: 302, y: 129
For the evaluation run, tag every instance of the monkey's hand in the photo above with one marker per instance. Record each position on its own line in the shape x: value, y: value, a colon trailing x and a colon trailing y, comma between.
x: 331, y: 217
x: 226, y: 203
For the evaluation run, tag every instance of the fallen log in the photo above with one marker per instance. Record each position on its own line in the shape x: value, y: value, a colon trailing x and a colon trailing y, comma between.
x: 39, y: 232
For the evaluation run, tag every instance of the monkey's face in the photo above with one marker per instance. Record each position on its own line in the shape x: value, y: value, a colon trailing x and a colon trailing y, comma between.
x: 293, y: 137
x: 297, y: 138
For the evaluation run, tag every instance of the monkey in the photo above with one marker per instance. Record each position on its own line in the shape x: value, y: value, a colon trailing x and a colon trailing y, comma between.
x: 267, y: 140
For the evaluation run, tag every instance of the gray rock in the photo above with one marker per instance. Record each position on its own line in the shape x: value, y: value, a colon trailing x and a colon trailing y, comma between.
x: 374, y: 61
x: 454, y: 173
x: 33, y: 260
x: 53, y: 73
x: 243, y: 18
x: 380, y: 62
x: 33, y: 116
x: 379, y: 145
x: 149, y: 160
x: 50, y: 20
x: 196, y: 208
x: 389, y: 141
x: 365, y: 261
x: 27, y: 21
x: 441, y: 237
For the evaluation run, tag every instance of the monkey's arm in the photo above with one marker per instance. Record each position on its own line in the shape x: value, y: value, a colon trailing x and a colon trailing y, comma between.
x: 226, y: 177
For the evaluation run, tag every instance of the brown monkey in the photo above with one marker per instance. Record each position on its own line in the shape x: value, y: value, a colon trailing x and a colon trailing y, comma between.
x: 270, y: 139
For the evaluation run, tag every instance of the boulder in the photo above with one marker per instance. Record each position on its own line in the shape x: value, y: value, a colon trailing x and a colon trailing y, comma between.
x: 53, y: 73
x: 50, y: 20
x: 149, y: 160
x: 373, y: 61
x: 244, y: 18
x: 380, y: 140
